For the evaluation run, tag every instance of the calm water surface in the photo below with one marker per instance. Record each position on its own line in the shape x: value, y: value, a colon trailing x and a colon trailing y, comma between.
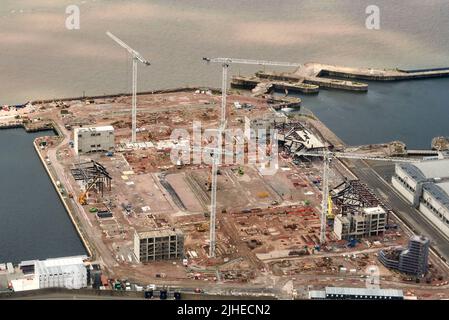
x: 33, y: 221
x: 40, y: 58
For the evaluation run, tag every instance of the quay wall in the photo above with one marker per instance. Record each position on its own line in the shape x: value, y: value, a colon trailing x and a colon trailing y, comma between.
x: 341, y: 85
x: 295, y: 88
x: 27, y: 128
x: 68, y: 210
x: 386, y: 77
x: 277, y: 85
x: 319, y: 82
x: 118, y: 95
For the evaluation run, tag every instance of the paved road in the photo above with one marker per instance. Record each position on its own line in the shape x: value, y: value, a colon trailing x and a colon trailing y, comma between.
x: 93, y: 236
x: 409, y: 215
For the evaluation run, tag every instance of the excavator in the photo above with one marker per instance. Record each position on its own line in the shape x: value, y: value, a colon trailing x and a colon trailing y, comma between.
x: 82, y: 199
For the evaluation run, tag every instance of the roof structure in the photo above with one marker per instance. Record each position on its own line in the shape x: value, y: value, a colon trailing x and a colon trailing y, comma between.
x: 428, y: 169
x: 439, y: 191
x: 371, y: 292
x: 95, y: 129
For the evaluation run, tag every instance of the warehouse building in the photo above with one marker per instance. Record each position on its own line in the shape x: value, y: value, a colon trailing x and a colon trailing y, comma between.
x: 336, y: 293
x: 412, y: 260
x: 434, y: 204
x: 426, y: 186
x: 366, y: 223
x: 161, y: 244
x: 94, y: 139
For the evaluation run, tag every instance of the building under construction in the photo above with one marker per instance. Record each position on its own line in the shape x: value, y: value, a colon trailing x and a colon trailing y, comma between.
x: 366, y: 223
x: 92, y: 174
x: 361, y: 214
x: 161, y: 244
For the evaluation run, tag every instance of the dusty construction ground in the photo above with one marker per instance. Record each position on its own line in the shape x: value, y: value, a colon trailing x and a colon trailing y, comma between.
x: 261, y: 219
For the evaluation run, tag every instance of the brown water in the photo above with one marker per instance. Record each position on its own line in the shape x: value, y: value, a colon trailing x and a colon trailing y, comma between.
x: 40, y: 58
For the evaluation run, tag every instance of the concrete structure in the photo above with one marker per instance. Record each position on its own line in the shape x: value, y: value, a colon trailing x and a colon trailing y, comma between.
x: 335, y: 293
x: 366, y: 223
x: 426, y: 186
x: 413, y: 260
x: 162, y: 244
x: 93, y: 139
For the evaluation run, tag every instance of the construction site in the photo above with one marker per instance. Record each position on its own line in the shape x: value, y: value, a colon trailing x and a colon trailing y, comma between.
x: 148, y: 214
x: 267, y: 226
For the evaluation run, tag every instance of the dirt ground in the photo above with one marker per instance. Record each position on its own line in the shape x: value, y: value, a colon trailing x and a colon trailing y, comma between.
x: 266, y: 224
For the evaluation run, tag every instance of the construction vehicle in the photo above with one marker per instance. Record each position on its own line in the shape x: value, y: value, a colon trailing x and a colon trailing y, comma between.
x: 330, y: 215
x: 82, y: 198
x: 202, y: 227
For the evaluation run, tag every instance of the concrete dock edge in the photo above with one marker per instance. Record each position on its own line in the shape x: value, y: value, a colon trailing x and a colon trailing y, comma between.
x: 68, y: 210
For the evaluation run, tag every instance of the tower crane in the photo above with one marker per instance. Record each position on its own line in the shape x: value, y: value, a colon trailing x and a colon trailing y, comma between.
x: 225, y: 63
x: 136, y: 57
x: 327, y: 156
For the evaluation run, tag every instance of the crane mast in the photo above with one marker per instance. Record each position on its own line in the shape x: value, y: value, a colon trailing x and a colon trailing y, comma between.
x: 327, y: 158
x: 225, y: 63
x: 136, y: 57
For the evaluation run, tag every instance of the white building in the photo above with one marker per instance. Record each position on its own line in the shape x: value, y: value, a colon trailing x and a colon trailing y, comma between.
x: 70, y: 273
x: 426, y: 186
x: 67, y: 273
x: 93, y: 139
x: 367, y: 223
x: 434, y: 204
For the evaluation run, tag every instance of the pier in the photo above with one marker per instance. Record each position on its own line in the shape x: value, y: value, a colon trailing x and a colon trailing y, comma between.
x: 29, y: 127
x: 265, y: 82
x: 311, y: 77
x: 315, y: 81
x: 371, y: 74
x: 261, y: 86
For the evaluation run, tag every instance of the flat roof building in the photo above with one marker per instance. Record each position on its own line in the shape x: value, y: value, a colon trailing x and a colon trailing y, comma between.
x: 158, y: 244
x: 93, y: 139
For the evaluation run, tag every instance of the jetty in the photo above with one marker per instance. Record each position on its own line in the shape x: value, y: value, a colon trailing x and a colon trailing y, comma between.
x: 311, y: 77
